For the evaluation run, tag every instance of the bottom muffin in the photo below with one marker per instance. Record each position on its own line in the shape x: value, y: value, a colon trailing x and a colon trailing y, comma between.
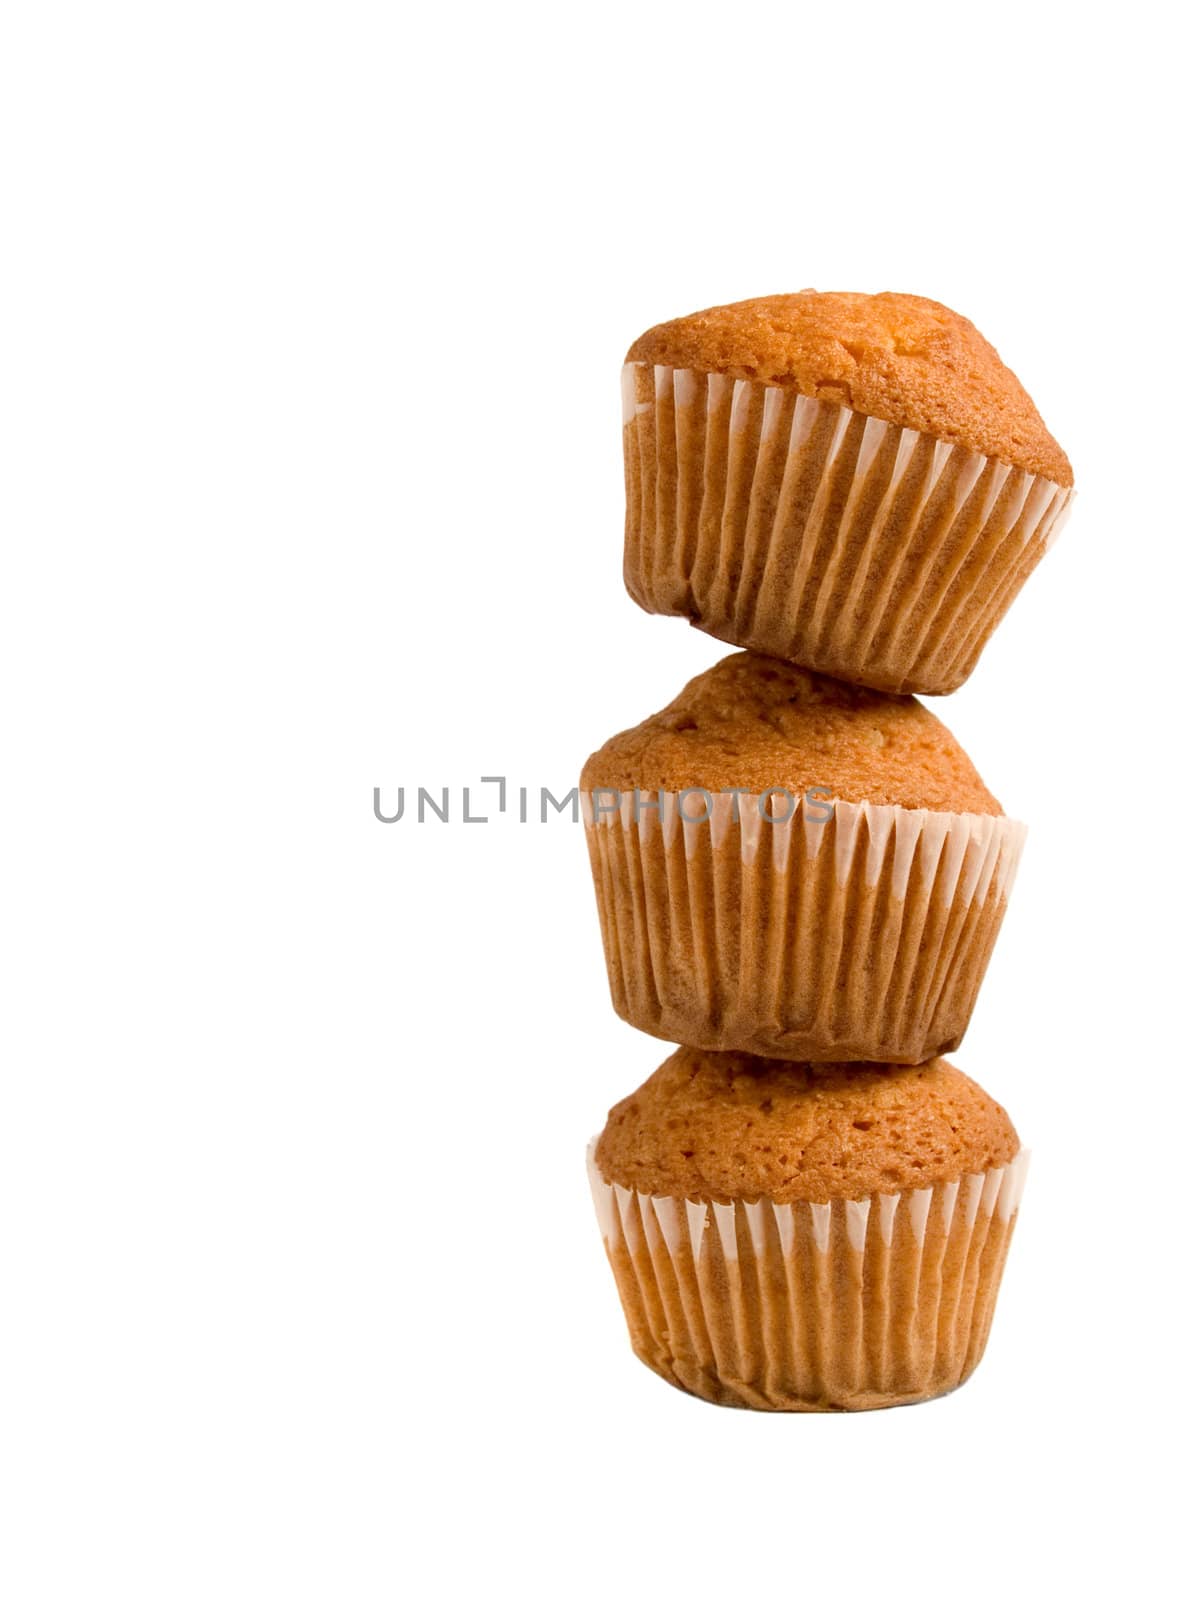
x: 794, y: 1237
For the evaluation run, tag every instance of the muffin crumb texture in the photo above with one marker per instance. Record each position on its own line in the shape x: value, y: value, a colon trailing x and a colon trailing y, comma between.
x: 900, y: 357
x: 726, y: 1126
x: 755, y: 722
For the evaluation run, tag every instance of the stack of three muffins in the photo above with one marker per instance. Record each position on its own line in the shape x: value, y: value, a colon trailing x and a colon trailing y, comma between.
x: 800, y: 874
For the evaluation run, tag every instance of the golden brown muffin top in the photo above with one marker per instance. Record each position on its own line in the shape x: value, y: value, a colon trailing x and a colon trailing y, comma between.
x: 757, y: 723
x: 709, y: 1126
x: 908, y: 360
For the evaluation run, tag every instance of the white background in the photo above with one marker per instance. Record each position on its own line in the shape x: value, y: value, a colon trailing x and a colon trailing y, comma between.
x: 312, y: 323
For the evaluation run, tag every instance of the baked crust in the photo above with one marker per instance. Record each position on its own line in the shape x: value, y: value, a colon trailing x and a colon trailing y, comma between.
x: 901, y: 357
x: 755, y: 722
x: 709, y: 1126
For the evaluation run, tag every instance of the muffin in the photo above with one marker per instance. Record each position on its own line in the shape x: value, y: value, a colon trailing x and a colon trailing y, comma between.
x: 807, y: 1238
x: 853, y: 482
x: 797, y: 867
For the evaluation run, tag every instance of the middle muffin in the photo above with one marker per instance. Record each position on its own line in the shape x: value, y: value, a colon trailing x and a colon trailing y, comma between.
x: 789, y: 865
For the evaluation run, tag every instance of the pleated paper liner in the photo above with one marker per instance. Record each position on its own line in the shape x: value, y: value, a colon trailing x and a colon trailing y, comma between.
x: 846, y: 544
x: 863, y: 937
x: 848, y: 1306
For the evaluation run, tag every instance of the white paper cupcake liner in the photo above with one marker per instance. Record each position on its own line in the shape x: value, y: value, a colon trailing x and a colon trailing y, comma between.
x: 798, y: 527
x: 864, y: 937
x: 850, y: 1305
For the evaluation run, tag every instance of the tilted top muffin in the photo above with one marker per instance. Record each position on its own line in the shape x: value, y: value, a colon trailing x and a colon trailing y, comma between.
x: 730, y: 1126
x: 757, y: 722
x: 900, y: 357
